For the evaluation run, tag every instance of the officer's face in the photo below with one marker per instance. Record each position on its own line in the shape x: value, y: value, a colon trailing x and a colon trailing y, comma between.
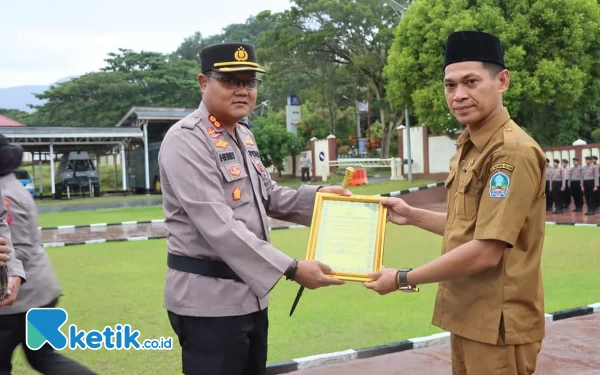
x: 226, y: 97
x: 472, y: 92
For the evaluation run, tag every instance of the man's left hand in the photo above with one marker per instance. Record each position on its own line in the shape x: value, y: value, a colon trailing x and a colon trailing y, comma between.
x: 14, y: 283
x: 384, y: 281
x: 335, y: 190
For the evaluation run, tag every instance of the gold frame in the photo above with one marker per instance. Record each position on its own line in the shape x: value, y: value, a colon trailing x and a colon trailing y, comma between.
x: 380, y: 236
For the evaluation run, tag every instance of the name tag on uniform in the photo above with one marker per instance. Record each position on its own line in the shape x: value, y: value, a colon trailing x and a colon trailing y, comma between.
x: 226, y: 156
x: 254, y: 154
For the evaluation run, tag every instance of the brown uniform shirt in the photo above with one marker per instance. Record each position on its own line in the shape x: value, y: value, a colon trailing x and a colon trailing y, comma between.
x: 216, y: 197
x: 14, y: 265
x: 496, y: 192
x: 42, y: 285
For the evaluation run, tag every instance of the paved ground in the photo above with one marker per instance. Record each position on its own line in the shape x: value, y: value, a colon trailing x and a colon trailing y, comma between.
x: 571, y: 347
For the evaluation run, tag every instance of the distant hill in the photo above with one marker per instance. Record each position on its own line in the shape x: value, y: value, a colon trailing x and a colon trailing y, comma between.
x: 19, y: 97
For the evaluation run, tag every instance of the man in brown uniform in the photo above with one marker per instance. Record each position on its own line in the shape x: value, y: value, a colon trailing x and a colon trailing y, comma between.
x: 216, y: 198
x: 42, y: 288
x: 490, y: 294
x: 576, y: 185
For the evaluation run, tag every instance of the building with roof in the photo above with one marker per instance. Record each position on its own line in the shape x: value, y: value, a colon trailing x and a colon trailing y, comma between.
x: 6, y: 121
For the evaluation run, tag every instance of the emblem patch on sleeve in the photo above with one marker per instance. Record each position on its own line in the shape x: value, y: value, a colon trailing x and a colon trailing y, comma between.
x: 8, y: 215
x: 499, y: 183
x: 508, y: 167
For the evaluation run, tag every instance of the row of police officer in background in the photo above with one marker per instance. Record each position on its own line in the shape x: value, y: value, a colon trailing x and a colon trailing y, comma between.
x: 578, y: 182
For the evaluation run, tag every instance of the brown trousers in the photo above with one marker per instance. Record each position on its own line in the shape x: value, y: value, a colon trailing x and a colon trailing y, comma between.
x: 476, y: 358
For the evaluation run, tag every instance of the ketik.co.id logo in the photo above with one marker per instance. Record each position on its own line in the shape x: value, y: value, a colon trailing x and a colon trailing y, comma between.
x: 43, y: 326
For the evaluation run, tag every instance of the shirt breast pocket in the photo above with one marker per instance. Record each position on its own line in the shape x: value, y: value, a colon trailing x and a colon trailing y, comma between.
x: 468, y: 195
x: 235, y: 185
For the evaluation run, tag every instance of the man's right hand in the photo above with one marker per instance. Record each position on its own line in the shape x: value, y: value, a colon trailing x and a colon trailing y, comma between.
x: 4, y: 250
x: 312, y: 274
x: 399, y: 212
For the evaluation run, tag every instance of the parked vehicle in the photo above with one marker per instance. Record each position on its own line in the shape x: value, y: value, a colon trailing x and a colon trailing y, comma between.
x: 77, y: 172
x: 23, y: 176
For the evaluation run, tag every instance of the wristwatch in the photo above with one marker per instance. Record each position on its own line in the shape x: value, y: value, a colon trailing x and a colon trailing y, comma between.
x: 403, y: 282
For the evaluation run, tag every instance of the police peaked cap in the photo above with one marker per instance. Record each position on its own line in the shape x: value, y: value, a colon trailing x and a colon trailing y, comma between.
x: 594, y: 157
x: 575, y: 159
x: 11, y: 156
x: 473, y: 46
x: 229, y: 57
x: 556, y: 161
x: 565, y: 161
x: 588, y: 158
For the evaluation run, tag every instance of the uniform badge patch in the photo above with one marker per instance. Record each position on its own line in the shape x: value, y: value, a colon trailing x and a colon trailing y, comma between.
x: 250, y: 142
x: 211, y: 131
x: 8, y: 215
x: 508, y: 167
x: 235, y: 171
x: 220, y: 143
x: 499, y: 183
x: 261, y: 169
x: 237, y: 193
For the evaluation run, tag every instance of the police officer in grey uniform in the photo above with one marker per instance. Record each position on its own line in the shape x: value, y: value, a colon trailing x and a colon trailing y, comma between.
x: 567, y: 192
x: 216, y: 198
x: 590, y: 185
x: 548, y: 193
x: 595, y: 164
x: 42, y: 288
x: 10, y: 266
x: 576, y: 185
x: 557, y: 187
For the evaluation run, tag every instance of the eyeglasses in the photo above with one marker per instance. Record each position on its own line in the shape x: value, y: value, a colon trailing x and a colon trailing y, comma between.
x: 231, y: 83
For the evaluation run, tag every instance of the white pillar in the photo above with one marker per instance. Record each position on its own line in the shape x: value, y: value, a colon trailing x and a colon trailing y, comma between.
x: 52, y: 183
x: 123, y: 167
x: 146, y: 162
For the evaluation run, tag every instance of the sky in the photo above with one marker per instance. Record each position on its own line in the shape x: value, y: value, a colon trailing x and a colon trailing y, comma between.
x: 44, y: 41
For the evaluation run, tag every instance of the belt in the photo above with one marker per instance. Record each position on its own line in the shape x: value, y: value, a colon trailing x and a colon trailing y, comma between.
x: 204, y: 267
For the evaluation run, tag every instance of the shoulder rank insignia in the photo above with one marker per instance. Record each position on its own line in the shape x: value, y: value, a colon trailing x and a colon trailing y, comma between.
x: 508, y: 167
x: 236, y: 194
x: 250, y: 142
x: 220, y: 143
x: 235, y: 171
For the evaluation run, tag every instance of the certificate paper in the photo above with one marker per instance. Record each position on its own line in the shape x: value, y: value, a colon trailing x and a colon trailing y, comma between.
x: 347, y: 234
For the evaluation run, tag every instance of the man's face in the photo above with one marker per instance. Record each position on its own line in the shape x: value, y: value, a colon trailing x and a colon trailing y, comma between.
x: 576, y: 163
x: 564, y: 164
x: 588, y: 162
x: 555, y: 164
x: 472, y: 92
x: 225, y: 97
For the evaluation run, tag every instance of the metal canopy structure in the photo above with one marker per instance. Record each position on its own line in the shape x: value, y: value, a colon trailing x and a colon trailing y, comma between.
x: 143, y: 124
x: 154, y: 122
x: 57, y: 140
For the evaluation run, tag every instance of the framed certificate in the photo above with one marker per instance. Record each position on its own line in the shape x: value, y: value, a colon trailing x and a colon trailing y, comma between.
x: 347, y: 234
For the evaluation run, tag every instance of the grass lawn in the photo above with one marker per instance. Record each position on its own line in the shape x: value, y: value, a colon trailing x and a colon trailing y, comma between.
x: 107, y: 284
x: 155, y: 212
x: 96, y: 200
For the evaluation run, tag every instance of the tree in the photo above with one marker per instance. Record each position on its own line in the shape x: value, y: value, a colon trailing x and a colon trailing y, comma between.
x: 357, y: 34
x: 552, y: 48
x: 129, y: 79
x: 274, y: 141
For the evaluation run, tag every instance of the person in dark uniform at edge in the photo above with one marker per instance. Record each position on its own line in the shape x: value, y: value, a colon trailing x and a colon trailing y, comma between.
x: 42, y: 288
x: 576, y: 185
x: 567, y: 192
x: 548, y: 193
x: 217, y: 200
x: 557, y: 187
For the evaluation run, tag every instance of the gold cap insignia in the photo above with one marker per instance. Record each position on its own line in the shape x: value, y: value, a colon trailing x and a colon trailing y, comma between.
x: 241, y: 54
